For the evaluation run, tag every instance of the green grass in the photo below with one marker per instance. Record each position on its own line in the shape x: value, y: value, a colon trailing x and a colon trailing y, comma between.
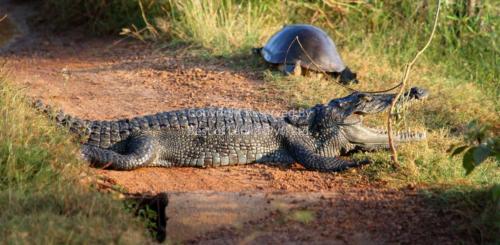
x: 42, y: 199
x: 303, y: 216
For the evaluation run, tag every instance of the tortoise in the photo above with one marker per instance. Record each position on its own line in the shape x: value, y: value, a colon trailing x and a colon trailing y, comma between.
x: 286, y: 49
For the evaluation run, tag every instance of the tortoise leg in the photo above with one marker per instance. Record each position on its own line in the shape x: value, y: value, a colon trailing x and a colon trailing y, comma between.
x: 297, y: 70
x: 291, y: 69
x: 345, y: 77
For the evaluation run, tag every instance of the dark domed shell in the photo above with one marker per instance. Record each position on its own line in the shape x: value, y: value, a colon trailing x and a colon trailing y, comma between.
x: 320, y: 48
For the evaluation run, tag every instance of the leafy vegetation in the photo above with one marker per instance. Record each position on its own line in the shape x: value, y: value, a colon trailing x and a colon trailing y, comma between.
x: 42, y: 198
x: 480, y: 145
x: 480, y: 207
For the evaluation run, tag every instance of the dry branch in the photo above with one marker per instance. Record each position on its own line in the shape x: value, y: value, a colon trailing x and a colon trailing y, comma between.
x: 406, y: 73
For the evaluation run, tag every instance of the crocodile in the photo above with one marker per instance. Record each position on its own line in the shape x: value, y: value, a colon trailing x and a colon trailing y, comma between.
x: 315, y: 138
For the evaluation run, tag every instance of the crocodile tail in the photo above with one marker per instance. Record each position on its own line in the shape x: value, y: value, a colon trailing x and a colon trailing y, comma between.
x: 102, y: 134
x: 74, y: 124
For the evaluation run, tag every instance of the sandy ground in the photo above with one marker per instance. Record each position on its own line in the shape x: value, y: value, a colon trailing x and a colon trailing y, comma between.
x: 109, y: 78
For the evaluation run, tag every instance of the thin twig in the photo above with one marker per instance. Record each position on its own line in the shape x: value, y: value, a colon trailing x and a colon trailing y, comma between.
x: 149, y: 27
x: 406, y: 73
x: 3, y: 18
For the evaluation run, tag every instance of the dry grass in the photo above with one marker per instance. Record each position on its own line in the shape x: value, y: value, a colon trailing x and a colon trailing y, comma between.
x: 41, y: 195
x: 222, y: 27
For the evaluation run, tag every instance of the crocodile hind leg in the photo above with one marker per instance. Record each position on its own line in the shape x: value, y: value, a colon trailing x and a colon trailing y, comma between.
x: 138, y: 151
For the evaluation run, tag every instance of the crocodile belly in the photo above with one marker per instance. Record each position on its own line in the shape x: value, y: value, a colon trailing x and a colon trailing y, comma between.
x: 191, y: 148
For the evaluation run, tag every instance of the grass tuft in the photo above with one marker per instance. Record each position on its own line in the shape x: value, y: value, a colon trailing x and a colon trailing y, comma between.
x: 302, y: 216
x: 223, y: 27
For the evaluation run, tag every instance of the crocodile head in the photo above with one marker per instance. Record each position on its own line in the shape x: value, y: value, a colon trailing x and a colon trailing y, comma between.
x: 347, y: 114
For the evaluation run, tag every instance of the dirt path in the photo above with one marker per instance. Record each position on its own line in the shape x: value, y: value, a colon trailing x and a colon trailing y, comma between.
x: 100, y: 78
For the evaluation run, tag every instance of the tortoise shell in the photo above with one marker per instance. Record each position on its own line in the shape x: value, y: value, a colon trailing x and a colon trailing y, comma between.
x: 285, y: 46
x: 308, y: 46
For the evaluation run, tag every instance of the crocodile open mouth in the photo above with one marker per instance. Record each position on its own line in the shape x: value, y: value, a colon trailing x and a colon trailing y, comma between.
x: 359, y: 134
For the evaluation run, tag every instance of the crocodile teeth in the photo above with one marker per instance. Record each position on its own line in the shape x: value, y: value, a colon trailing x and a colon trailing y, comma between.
x: 410, y: 135
x: 403, y: 134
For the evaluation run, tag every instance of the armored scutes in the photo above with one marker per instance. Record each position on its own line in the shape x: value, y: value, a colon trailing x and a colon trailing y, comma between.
x: 305, y: 46
x: 205, y: 137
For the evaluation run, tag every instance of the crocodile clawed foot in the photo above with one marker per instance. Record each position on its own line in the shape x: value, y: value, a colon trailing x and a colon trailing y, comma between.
x: 364, y: 162
x: 84, y: 157
x: 106, y: 165
x: 103, y: 166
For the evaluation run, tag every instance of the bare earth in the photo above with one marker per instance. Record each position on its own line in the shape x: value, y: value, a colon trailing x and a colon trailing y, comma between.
x: 98, y: 78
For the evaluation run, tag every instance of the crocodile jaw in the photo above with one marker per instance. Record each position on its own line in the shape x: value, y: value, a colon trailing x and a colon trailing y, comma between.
x: 361, y: 135
x: 357, y: 134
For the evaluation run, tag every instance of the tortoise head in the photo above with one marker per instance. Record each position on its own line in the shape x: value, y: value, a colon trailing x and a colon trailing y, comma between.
x: 346, y: 76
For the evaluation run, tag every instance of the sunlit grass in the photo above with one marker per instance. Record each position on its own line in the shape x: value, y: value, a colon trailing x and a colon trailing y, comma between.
x: 222, y: 27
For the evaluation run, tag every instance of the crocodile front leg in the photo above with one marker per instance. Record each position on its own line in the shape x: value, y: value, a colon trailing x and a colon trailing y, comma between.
x: 301, y: 148
x: 314, y: 161
x: 138, y: 151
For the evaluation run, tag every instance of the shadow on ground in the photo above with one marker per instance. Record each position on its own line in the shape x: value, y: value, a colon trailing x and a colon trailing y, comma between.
x: 356, y: 217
